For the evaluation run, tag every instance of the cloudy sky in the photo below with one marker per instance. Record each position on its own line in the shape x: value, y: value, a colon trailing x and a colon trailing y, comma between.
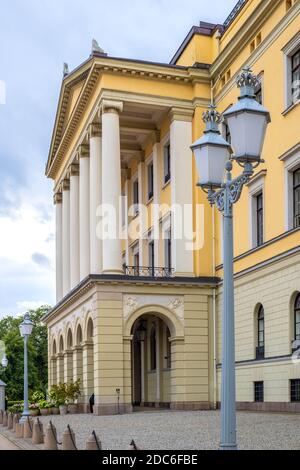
x: 36, y: 37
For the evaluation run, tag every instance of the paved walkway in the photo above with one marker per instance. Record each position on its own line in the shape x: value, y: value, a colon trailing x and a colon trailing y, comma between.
x: 5, y: 444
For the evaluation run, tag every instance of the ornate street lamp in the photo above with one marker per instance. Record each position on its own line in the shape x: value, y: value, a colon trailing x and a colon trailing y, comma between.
x: 26, y: 328
x: 247, y: 121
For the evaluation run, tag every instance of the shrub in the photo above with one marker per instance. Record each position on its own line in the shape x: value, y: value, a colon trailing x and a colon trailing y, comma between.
x: 73, y: 391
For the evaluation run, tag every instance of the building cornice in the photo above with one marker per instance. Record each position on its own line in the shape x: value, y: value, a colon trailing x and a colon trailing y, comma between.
x: 253, y: 23
x: 91, y: 72
x: 255, y: 56
x: 95, y: 279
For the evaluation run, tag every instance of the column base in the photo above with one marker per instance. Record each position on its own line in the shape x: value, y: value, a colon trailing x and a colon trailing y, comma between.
x: 112, y: 409
x: 118, y: 272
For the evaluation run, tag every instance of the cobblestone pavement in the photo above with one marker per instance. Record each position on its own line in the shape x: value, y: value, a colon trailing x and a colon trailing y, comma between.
x: 172, y: 430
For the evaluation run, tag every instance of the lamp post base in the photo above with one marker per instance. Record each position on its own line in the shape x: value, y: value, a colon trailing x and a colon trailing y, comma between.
x: 24, y: 417
x: 228, y: 447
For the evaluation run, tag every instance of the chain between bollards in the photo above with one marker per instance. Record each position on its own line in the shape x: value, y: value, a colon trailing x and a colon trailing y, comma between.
x: 54, y: 434
x: 96, y: 440
x: 71, y: 435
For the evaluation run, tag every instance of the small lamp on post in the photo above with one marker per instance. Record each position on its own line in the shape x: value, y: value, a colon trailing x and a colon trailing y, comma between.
x: 247, y: 121
x: 4, y: 362
x: 26, y: 328
x: 141, y: 333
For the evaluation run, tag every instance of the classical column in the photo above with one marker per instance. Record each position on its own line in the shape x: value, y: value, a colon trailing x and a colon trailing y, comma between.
x: 142, y: 211
x: 68, y: 366
x: 111, y: 185
x: 127, y: 193
x: 60, y: 368
x: 88, y: 369
x: 58, y: 217
x: 77, y: 364
x: 142, y: 373
x: 158, y: 362
x: 53, y: 371
x: 182, y: 191
x: 95, y: 197
x: 84, y: 211
x: 74, y: 225
x: 156, y: 197
x: 66, y: 236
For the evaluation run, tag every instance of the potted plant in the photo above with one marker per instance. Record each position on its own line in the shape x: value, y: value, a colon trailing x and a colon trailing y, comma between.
x: 44, y: 407
x: 34, y: 409
x: 73, y: 393
x: 54, y: 410
x: 59, y: 395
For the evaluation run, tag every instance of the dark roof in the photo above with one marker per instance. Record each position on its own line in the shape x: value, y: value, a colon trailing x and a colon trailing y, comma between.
x: 208, y: 29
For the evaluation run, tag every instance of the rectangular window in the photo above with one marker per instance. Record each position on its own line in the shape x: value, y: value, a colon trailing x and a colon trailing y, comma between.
x: 296, y: 197
x: 167, y: 163
x: 259, y: 392
x: 295, y: 390
x: 150, y: 181
x: 151, y: 257
x: 136, y: 262
x: 136, y: 196
x: 168, y: 252
x: 296, y: 76
x: 259, y: 220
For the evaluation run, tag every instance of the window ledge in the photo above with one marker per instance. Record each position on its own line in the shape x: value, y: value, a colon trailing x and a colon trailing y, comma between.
x: 165, y: 185
x: 150, y: 201
x: 290, y: 108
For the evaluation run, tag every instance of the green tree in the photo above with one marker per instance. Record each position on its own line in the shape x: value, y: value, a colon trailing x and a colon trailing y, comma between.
x: 37, y: 354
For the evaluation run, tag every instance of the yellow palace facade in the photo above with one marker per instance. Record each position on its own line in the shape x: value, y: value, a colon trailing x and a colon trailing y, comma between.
x: 138, y: 314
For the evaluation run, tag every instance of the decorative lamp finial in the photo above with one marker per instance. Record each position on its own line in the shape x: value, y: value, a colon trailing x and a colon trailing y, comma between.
x: 247, y: 82
x: 212, y: 119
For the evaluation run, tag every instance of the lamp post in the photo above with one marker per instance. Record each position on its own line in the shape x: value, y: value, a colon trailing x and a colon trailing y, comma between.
x: 26, y: 328
x: 247, y: 121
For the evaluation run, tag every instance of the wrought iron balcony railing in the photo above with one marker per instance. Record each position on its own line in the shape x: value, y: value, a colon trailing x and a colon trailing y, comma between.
x: 148, y: 271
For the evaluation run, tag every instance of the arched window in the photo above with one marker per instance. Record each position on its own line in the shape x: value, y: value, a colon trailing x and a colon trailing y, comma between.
x: 54, y: 349
x: 69, y: 340
x: 260, y: 350
x: 297, y: 318
x: 79, y: 336
x: 153, y: 349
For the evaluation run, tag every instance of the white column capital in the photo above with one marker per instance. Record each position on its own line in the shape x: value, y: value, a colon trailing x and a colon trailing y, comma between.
x: 83, y: 151
x: 94, y: 130
x: 73, y: 170
x: 111, y: 106
x: 181, y: 114
x: 65, y: 184
x: 57, y: 198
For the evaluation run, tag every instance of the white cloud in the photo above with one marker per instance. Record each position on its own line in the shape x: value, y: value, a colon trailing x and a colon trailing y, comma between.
x: 45, y: 34
x: 26, y: 305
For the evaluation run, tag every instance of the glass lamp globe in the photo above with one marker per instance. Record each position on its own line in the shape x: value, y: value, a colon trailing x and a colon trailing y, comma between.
x: 247, y: 120
x: 26, y: 326
x: 4, y: 362
x: 141, y: 333
x: 211, y: 151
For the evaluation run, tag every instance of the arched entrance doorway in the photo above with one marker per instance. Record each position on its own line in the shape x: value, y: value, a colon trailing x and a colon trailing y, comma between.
x: 151, y: 362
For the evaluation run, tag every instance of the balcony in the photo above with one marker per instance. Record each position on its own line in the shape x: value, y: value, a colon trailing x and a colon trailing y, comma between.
x: 260, y: 353
x: 148, y: 271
